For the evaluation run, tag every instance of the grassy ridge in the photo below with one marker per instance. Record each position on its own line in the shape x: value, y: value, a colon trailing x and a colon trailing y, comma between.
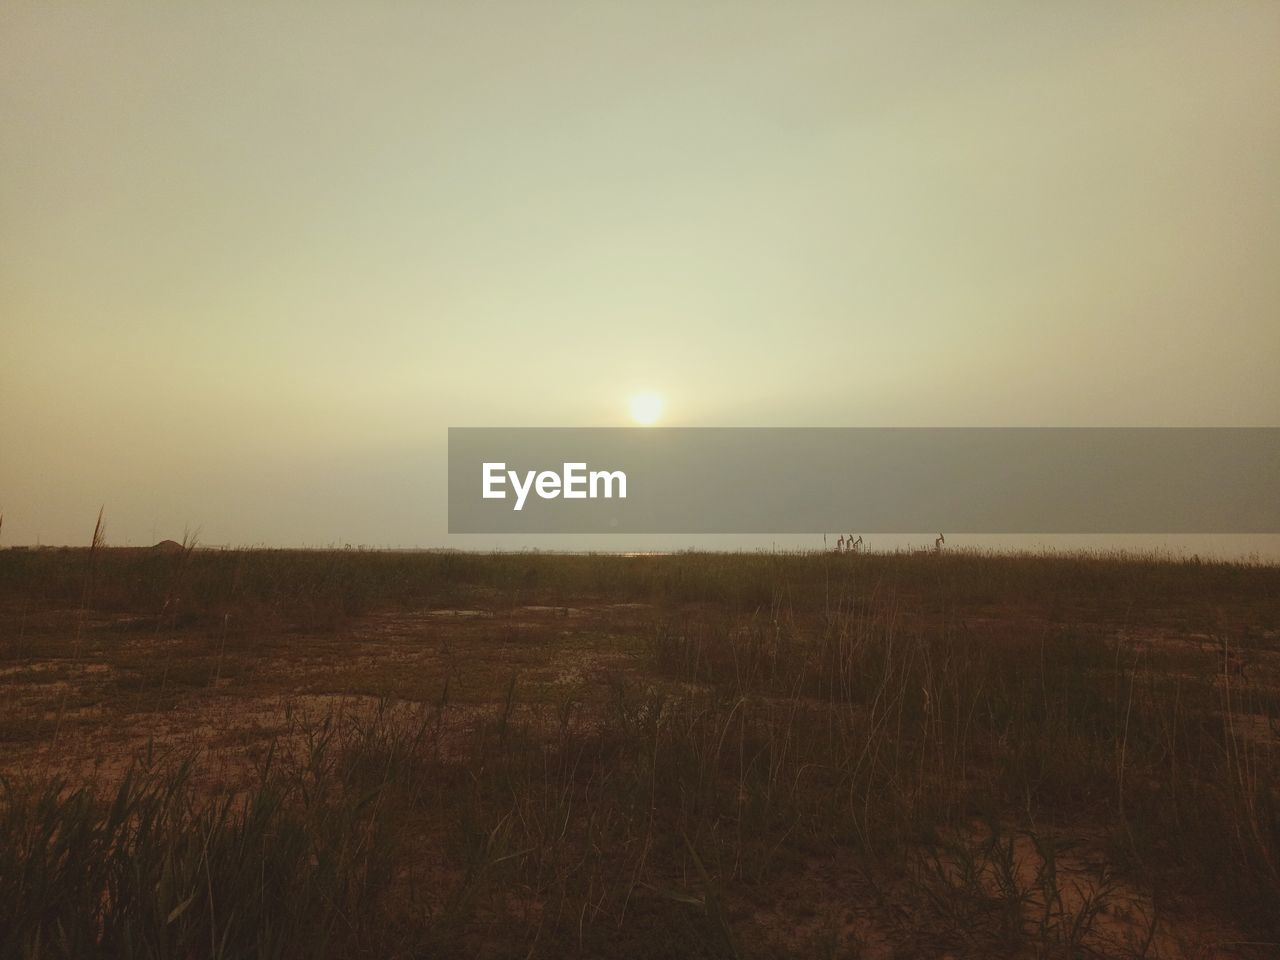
x: 327, y: 585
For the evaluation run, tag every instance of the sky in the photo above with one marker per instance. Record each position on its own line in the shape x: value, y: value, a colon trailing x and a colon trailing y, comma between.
x: 256, y: 259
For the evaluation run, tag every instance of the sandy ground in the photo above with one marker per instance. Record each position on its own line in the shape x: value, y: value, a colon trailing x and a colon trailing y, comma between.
x: 84, y: 697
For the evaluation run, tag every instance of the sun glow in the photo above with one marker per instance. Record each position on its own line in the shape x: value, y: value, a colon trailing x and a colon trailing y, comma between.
x: 645, y: 408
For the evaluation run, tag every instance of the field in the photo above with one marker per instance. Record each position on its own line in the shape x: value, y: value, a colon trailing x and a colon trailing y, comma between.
x: 362, y: 754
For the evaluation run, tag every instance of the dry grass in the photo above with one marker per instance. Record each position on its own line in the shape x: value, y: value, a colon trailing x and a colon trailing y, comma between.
x: 270, y: 753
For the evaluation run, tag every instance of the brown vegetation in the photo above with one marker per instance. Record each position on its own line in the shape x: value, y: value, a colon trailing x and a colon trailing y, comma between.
x: 271, y: 753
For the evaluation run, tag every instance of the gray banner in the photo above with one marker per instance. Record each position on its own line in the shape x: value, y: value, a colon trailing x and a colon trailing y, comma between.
x: 866, y: 480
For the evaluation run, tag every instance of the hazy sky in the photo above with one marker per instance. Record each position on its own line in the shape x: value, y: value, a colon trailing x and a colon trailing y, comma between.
x: 255, y: 259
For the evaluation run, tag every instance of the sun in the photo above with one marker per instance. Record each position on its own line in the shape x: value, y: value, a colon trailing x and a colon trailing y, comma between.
x: 645, y: 408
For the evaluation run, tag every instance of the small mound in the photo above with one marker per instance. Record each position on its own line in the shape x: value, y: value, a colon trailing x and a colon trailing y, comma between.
x: 167, y: 546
